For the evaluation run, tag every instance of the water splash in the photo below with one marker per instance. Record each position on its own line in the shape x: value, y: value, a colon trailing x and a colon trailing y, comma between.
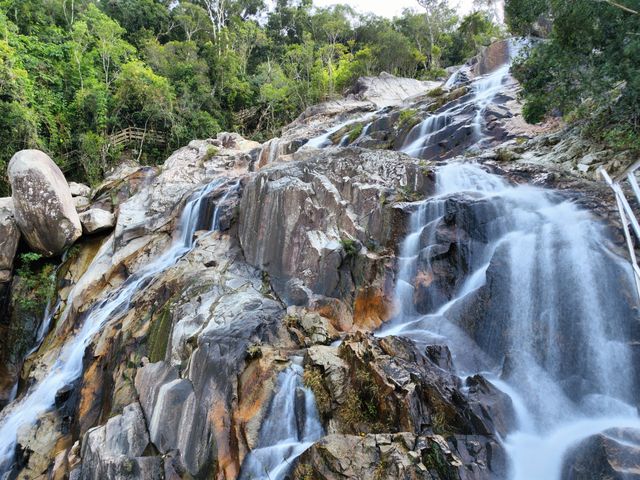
x: 290, y: 427
x: 68, y: 367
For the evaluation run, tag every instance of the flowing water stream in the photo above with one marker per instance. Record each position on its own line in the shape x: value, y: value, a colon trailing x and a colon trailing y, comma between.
x: 291, y: 426
x: 40, y: 397
x: 555, y: 338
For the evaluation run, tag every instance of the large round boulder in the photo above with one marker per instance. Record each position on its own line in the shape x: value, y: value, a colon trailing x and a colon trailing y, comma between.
x: 43, y: 205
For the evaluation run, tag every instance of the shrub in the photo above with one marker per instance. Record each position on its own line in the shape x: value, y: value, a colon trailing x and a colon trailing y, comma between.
x: 408, y: 118
x: 436, y: 92
x: 350, y: 247
x: 37, y: 283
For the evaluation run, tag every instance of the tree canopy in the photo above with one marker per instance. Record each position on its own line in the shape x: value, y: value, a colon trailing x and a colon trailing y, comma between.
x: 587, y: 68
x: 75, y: 72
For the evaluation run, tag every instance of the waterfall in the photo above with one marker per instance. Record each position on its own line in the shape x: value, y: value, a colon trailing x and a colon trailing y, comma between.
x: 418, y: 138
x: 324, y: 140
x: 215, y: 221
x: 40, y: 397
x: 483, y: 92
x: 291, y: 426
x: 553, y: 301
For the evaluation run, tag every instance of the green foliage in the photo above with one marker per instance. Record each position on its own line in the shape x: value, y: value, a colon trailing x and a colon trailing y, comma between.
x: 588, y: 70
x: 254, y: 351
x: 74, y: 74
x: 37, y: 283
x: 351, y: 247
x: 355, y: 132
x: 405, y: 194
x: 312, y: 379
x: 408, y: 118
x: 361, y: 411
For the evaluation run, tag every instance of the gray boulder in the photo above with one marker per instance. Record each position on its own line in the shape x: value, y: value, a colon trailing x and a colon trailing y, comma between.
x: 9, y: 237
x: 97, y: 220
x: 44, y: 208
x: 79, y: 190
x: 613, y: 454
x: 117, y: 450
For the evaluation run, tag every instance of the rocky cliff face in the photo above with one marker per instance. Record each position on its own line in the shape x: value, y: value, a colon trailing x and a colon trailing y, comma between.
x: 241, y: 280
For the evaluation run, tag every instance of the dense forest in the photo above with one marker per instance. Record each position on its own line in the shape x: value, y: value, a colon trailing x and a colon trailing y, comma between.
x: 75, y: 72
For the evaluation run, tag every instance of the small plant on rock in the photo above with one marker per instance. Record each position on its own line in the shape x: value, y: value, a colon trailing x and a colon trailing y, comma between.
x: 350, y: 247
x: 254, y: 351
x: 312, y: 379
x: 405, y: 194
x: 355, y: 132
x: 408, y: 118
x: 436, y: 92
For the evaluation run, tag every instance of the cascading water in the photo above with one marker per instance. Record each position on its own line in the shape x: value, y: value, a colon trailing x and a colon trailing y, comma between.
x: 68, y: 367
x: 324, y: 140
x: 550, y: 304
x: 215, y: 222
x: 290, y: 427
x: 484, y: 91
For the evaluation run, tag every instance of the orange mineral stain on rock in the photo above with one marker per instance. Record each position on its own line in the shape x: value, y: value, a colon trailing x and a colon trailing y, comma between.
x: 371, y: 309
x: 228, y: 465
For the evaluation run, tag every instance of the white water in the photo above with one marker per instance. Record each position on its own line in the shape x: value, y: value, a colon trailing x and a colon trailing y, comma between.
x: 484, y: 91
x: 215, y: 221
x: 324, y: 140
x: 570, y: 371
x: 68, y: 367
x: 290, y: 427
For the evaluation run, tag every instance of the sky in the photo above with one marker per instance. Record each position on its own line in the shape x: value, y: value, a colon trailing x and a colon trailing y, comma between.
x: 388, y: 8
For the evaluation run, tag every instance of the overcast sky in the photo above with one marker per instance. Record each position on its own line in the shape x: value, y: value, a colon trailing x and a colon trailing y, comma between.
x: 388, y: 8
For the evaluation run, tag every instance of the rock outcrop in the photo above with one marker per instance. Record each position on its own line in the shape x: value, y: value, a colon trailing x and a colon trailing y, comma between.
x: 402, y: 456
x: 387, y: 90
x: 493, y: 57
x: 120, y: 449
x: 97, y: 220
x: 9, y: 238
x: 613, y: 454
x: 321, y: 226
x: 370, y: 385
x: 79, y: 190
x: 43, y: 206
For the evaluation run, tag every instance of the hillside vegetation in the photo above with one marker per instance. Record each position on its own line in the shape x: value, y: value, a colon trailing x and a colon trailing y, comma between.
x: 586, y: 69
x: 75, y: 72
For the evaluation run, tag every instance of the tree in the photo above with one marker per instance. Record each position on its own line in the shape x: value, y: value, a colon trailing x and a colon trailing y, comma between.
x: 588, y: 69
x: 191, y: 19
x: 110, y: 47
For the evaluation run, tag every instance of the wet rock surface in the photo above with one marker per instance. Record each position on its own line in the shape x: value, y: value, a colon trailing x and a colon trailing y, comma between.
x: 613, y: 454
x: 297, y: 275
x: 402, y: 455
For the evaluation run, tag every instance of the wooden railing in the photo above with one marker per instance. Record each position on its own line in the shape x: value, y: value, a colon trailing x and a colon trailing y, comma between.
x: 627, y: 215
x: 134, y: 134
